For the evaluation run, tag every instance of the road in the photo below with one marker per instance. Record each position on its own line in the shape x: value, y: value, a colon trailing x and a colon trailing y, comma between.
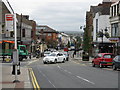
x: 73, y: 74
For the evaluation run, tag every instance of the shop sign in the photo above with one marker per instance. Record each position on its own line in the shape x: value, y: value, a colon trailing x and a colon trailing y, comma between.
x: 115, y: 40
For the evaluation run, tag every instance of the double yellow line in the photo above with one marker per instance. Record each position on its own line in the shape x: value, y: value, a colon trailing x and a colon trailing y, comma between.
x: 34, y: 81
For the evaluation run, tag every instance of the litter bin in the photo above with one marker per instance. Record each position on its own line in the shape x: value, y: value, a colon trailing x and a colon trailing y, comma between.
x: 85, y: 57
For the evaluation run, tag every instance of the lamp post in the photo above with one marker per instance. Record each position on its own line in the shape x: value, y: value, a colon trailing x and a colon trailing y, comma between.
x: 102, y: 34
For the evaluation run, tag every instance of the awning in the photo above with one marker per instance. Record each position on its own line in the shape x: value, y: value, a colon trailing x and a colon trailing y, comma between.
x: 7, y: 41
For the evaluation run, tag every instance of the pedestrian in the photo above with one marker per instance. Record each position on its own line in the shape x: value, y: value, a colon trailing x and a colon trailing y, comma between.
x: 74, y: 53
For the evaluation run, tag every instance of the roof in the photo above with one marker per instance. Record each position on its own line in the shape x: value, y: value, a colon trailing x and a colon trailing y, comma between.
x: 103, y: 8
x: 46, y: 29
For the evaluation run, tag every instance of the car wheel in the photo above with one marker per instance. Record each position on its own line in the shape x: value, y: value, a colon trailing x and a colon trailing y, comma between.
x: 100, y: 65
x: 44, y: 62
x: 114, y: 67
x: 63, y: 61
x: 93, y: 64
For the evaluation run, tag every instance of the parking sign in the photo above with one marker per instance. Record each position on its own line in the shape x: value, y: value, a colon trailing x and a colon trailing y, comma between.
x: 9, y: 22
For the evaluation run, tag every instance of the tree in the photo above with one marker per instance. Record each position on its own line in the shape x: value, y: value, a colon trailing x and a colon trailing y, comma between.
x: 68, y: 45
x: 78, y: 42
x: 86, y: 41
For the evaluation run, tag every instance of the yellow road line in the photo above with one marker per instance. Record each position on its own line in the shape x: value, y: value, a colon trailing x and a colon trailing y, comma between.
x: 34, y: 81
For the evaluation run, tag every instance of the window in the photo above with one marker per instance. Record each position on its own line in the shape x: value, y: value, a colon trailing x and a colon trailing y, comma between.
x: 49, y: 34
x: 96, y: 27
x: 118, y: 58
x: 112, y: 11
x: 117, y: 9
x: 107, y: 56
x: 23, y: 32
x: 115, y: 29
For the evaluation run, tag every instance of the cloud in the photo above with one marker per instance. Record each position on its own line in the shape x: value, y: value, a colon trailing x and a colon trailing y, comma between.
x: 59, y: 14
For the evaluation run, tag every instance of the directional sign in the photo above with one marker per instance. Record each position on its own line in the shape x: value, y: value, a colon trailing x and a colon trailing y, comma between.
x: 9, y: 22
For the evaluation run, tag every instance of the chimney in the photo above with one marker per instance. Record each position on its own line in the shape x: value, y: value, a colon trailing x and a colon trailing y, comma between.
x: 26, y: 16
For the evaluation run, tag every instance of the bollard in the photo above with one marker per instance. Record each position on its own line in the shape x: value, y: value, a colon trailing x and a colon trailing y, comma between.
x: 13, y: 72
x: 18, y: 69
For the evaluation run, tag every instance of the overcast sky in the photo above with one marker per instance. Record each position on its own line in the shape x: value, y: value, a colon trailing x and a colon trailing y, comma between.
x: 61, y: 15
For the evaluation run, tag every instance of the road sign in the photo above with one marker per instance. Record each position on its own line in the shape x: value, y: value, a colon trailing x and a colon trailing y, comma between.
x: 9, y: 22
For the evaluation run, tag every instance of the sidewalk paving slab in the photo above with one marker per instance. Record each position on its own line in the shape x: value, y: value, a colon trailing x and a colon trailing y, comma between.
x: 8, y: 78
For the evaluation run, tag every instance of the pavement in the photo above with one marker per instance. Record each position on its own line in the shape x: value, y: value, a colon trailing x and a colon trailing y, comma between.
x: 6, y: 77
x: 80, y: 59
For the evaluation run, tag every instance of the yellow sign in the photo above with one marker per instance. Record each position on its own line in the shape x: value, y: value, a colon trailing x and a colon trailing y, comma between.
x: 7, y: 59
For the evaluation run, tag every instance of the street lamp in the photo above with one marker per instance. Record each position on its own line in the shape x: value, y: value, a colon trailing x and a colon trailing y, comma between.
x: 101, y: 34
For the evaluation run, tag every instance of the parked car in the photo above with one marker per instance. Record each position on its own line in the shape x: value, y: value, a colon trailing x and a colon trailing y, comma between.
x: 66, y: 56
x: 116, y: 62
x: 103, y: 59
x: 54, y: 58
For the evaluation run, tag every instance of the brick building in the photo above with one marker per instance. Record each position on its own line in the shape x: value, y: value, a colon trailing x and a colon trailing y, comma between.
x: 47, y: 35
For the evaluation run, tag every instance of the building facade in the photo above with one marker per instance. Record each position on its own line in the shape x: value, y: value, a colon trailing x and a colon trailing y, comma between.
x: 24, y: 28
x: 97, y: 22
x: 115, y: 25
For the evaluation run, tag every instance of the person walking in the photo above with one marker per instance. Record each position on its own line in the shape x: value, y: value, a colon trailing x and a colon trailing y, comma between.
x: 74, y: 53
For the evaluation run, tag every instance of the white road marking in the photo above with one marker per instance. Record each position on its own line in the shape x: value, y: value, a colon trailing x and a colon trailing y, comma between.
x: 46, y: 78
x: 32, y: 62
x: 76, y: 76
x: 85, y: 79
x: 52, y: 84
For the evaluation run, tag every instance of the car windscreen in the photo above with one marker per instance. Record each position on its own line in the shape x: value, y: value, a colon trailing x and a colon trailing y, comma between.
x: 22, y: 48
x: 118, y: 58
x: 47, y: 52
x: 108, y: 56
x: 53, y: 54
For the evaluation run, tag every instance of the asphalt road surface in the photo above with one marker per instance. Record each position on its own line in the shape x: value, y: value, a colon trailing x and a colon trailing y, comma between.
x: 73, y: 74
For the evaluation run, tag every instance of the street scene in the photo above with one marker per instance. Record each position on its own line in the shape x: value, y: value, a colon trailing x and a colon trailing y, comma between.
x: 52, y: 45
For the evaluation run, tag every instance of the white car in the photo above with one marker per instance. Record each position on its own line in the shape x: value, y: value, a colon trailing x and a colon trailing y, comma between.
x: 54, y: 58
x: 66, y: 56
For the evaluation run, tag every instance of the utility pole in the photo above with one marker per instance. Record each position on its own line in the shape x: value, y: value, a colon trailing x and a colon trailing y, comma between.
x: 20, y: 28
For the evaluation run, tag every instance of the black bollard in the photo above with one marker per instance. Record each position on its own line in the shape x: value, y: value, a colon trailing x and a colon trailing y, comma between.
x: 18, y: 69
x: 13, y: 72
